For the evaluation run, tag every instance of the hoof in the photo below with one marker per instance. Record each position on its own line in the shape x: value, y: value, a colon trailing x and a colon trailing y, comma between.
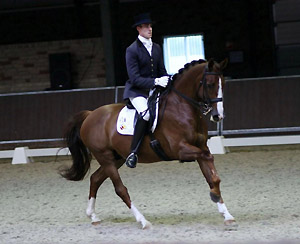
x: 146, y: 225
x: 230, y: 225
x: 94, y: 218
x: 96, y: 223
x: 215, y: 198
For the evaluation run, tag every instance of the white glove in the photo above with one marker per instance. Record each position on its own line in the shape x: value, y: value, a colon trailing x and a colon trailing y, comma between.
x: 162, y: 81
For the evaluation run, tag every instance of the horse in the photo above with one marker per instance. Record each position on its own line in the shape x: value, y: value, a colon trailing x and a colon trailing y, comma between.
x: 182, y: 132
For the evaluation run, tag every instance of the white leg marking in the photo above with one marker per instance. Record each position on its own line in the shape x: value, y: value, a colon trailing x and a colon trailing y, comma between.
x: 139, y: 217
x: 90, y: 211
x: 223, y: 210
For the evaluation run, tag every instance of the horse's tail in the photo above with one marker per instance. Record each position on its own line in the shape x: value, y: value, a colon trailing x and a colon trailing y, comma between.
x: 80, y: 154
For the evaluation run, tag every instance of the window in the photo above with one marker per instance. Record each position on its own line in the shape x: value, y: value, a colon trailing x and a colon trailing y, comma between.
x: 179, y: 50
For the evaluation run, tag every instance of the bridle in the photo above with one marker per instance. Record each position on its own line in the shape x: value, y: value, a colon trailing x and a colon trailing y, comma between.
x: 205, y: 105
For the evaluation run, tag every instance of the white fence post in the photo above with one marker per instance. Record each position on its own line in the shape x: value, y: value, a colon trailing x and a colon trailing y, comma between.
x: 20, y: 156
x: 215, y: 145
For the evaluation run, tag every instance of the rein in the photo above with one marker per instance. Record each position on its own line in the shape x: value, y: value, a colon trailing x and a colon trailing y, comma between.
x: 206, y: 105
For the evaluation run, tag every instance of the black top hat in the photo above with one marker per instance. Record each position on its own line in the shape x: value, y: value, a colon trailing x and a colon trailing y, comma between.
x: 142, y: 19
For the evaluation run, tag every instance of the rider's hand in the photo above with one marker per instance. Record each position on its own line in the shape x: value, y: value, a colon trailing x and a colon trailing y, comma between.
x: 162, y: 81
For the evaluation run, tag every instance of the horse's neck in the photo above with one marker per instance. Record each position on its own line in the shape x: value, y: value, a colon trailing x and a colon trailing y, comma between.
x: 175, y: 103
x: 180, y: 115
x: 189, y: 82
x: 185, y: 90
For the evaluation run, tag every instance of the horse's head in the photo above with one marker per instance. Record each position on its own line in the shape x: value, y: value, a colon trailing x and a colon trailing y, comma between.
x: 211, y: 92
x: 201, y: 84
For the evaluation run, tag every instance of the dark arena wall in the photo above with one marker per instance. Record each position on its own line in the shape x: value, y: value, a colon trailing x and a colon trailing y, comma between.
x: 249, y: 104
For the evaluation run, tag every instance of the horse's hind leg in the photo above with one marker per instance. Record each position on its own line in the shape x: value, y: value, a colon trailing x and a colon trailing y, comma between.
x: 109, y: 168
x: 96, y: 179
x: 210, y: 173
x: 122, y: 192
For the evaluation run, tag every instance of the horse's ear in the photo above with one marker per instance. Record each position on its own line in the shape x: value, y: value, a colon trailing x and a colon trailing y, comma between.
x: 211, y: 63
x: 223, y: 64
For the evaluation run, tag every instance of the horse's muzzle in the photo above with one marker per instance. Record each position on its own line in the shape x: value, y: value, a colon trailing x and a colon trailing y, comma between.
x: 215, y: 116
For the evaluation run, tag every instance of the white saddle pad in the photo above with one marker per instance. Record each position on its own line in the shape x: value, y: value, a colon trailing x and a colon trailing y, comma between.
x: 125, y: 121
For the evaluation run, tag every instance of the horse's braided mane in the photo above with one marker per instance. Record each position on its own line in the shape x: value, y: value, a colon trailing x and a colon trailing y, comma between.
x: 187, y: 66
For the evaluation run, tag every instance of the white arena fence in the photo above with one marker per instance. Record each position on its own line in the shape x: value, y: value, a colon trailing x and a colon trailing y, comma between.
x: 216, y: 144
x: 23, y: 155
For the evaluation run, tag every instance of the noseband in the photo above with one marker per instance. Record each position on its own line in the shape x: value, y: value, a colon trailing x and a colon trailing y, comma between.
x: 206, y: 104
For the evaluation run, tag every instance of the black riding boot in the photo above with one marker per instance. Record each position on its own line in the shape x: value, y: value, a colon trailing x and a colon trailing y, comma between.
x: 138, y: 136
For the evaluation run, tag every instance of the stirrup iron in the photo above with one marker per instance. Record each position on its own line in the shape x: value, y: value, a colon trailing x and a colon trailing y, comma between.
x: 131, y: 160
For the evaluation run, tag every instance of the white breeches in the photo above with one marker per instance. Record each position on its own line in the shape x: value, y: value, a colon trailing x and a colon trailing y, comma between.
x: 140, y: 104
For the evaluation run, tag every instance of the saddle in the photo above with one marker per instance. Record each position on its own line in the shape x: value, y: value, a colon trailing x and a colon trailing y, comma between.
x: 128, y: 116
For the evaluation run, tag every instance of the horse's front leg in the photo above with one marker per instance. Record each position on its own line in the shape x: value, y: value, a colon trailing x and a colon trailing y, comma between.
x: 210, y: 173
x: 206, y: 163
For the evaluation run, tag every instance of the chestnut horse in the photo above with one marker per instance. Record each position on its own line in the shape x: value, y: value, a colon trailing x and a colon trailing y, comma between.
x: 181, y: 131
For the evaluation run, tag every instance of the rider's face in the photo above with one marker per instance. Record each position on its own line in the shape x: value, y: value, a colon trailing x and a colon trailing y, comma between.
x: 145, y: 30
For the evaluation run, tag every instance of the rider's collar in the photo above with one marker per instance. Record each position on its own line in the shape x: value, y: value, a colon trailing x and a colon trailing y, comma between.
x: 144, y: 40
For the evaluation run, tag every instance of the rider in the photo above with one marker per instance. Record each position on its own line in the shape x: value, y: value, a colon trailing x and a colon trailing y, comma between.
x: 145, y: 68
